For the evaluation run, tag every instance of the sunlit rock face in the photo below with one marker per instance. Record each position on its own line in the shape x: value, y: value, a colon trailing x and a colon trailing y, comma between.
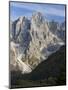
x: 32, y: 41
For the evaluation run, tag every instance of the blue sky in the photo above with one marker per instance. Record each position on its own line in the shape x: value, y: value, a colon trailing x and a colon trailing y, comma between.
x: 50, y: 11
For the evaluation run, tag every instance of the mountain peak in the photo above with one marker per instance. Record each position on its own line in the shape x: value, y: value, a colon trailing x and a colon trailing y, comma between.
x: 37, y: 13
x: 22, y: 18
x: 37, y: 18
x: 36, y: 41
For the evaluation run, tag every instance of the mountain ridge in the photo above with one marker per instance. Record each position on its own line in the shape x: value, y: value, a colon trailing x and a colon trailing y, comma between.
x: 32, y: 41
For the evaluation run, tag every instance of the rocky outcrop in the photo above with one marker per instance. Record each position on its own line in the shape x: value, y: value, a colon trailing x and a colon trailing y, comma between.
x: 32, y: 42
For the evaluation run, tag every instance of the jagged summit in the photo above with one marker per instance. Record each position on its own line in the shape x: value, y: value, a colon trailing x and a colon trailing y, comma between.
x: 37, y: 18
x: 38, y: 15
x: 32, y: 41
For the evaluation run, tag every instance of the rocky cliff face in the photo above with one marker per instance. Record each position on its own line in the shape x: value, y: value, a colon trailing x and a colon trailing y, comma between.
x: 57, y: 29
x: 31, y: 42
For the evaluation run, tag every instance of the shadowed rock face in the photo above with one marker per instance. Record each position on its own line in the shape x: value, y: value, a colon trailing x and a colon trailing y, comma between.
x: 58, y: 29
x: 31, y: 41
x: 48, y: 73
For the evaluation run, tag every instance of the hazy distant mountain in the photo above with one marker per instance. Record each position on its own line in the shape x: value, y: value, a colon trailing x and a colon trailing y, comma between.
x: 58, y: 29
x: 32, y: 41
